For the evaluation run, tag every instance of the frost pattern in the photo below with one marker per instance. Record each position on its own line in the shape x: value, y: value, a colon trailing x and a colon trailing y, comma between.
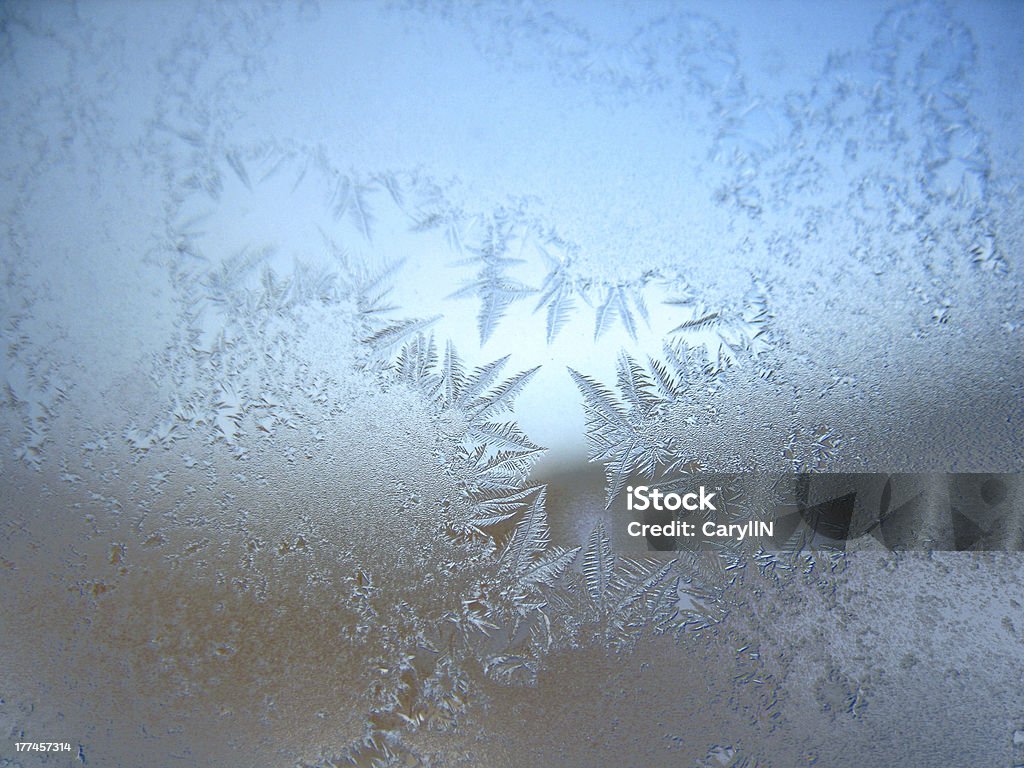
x: 299, y: 461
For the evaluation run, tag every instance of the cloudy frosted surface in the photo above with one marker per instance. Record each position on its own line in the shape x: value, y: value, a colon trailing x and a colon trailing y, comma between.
x: 331, y: 330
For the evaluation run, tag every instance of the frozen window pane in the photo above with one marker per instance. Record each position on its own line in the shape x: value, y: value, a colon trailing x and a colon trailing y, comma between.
x: 334, y: 334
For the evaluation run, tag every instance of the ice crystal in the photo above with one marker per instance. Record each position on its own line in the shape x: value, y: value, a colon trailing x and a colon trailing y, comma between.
x: 493, y: 285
